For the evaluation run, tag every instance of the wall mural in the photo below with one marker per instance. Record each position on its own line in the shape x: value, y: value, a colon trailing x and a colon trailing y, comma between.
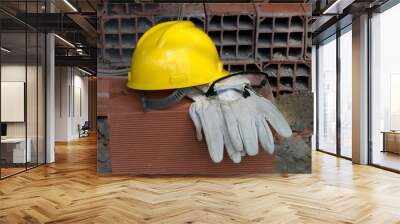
x: 166, y: 118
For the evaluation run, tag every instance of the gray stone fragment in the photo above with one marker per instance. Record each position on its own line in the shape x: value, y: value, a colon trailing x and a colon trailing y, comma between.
x: 293, y: 156
x: 297, y: 109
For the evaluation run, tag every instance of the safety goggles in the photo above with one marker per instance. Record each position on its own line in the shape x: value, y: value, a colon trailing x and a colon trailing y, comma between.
x: 258, y: 83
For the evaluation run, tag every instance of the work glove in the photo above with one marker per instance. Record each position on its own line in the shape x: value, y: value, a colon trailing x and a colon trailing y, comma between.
x: 247, y: 117
x: 238, y: 121
x: 206, y: 115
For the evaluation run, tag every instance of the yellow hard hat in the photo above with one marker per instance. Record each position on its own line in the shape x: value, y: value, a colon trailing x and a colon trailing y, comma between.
x: 173, y: 55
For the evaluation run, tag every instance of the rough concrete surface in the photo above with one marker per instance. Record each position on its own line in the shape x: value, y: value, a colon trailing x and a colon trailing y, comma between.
x: 103, y: 152
x: 298, y: 110
x: 293, y: 156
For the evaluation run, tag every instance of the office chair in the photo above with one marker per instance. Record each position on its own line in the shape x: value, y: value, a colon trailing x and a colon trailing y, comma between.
x: 84, y: 130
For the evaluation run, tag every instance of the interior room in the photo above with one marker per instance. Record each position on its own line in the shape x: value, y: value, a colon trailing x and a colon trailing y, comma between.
x: 22, y: 102
x: 276, y: 111
x: 72, y: 95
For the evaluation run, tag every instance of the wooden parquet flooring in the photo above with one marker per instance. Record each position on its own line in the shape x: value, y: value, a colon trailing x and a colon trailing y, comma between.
x: 10, y: 171
x: 70, y: 191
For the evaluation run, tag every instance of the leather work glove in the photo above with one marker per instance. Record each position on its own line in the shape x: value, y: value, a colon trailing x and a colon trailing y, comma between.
x: 236, y: 121
x: 206, y: 115
x: 248, y: 120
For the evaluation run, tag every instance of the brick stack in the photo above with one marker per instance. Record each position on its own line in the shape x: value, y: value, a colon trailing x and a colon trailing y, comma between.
x: 274, y: 38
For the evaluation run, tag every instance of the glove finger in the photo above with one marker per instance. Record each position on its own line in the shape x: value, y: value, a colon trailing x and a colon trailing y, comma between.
x: 248, y: 131
x: 211, y: 121
x: 215, y: 147
x: 265, y: 136
x: 274, y: 116
x: 235, y: 156
x: 244, y: 114
x: 196, y: 120
x: 232, y: 127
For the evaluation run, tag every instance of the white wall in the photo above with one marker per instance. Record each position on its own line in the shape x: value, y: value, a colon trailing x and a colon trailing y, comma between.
x: 62, y: 82
x: 82, y: 82
x: 13, y: 73
x: 71, y: 94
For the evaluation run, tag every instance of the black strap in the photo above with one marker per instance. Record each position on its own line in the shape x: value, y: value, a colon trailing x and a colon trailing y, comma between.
x: 211, y: 91
x: 165, y: 102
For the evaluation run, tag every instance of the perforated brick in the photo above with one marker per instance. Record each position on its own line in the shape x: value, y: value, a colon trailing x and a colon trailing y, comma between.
x: 232, y: 27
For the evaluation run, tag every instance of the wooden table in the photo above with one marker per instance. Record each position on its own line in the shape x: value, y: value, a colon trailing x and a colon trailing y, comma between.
x: 16, y: 147
x: 391, y: 141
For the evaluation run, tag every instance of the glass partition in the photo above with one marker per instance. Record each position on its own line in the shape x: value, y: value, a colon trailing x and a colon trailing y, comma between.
x: 14, y: 153
x: 22, y: 77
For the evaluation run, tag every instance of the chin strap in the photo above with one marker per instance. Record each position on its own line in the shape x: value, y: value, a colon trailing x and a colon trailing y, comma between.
x: 205, y: 90
x: 165, y: 102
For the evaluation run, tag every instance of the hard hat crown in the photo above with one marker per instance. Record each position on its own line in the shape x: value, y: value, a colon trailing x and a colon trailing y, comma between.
x: 174, y: 55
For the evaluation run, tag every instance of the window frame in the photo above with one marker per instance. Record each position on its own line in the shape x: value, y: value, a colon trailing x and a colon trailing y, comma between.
x: 381, y: 9
x: 334, y: 37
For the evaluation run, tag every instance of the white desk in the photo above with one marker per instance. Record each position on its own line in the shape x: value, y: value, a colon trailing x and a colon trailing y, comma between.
x: 19, y: 149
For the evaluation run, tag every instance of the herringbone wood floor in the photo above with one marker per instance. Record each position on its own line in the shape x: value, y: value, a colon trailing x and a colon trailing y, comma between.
x: 71, y: 192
